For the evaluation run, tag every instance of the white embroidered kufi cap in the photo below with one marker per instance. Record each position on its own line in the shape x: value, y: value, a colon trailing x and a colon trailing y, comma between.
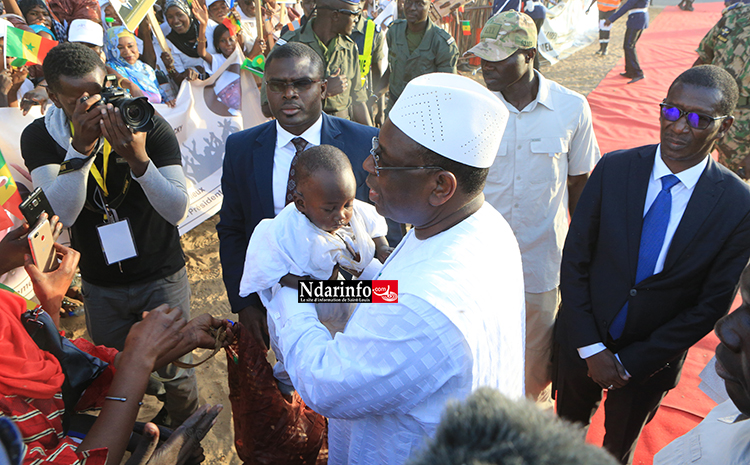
x: 453, y: 116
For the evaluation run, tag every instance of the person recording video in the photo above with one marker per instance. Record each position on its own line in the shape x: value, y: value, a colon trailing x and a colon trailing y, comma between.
x: 123, y: 192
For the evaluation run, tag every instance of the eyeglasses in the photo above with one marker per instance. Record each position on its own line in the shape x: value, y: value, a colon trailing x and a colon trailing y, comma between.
x: 343, y: 11
x: 375, y: 152
x: 694, y: 120
x: 298, y: 85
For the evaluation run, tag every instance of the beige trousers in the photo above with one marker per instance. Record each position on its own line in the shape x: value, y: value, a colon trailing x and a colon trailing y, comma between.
x: 541, y: 310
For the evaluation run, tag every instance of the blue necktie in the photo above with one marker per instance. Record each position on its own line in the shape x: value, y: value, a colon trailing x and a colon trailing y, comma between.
x: 652, y: 239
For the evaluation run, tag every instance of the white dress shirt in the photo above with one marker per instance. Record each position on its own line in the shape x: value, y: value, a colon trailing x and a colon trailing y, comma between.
x: 282, y: 159
x: 550, y: 139
x: 681, y: 193
x: 458, y: 325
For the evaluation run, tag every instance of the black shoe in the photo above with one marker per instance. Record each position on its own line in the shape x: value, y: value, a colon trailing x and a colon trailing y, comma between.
x: 689, y: 7
x: 626, y: 75
x: 636, y: 79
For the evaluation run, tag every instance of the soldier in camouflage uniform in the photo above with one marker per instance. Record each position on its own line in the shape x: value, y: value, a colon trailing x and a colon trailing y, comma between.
x: 416, y: 46
x: 368, y: 37
x: 727, y: 45
x: 328, y: 34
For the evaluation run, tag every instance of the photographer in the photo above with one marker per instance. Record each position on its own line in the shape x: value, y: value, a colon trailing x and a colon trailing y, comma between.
x: 123, y: 192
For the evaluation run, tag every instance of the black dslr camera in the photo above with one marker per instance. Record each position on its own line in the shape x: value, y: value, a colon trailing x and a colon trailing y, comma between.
x: 137, y: 113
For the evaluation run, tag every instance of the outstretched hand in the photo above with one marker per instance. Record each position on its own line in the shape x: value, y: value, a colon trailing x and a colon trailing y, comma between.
x: 51, y: 287
x: 156, y: 335
x: 183, y: 445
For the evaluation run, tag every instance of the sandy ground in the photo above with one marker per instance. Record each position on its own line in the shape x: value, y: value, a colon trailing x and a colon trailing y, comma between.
x: 581, y: 72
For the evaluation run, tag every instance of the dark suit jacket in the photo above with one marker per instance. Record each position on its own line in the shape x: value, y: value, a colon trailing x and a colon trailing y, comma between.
x: 671, y: 310
x: 248, y: 193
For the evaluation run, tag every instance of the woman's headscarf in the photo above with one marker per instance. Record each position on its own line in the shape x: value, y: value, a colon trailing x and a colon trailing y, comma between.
x: 28, y: 371
x: 140, y: 73
x: 187, y: 43
x: 37, y: 28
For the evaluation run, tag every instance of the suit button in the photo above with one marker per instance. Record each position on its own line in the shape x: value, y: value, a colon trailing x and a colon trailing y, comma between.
x: 633, y: 293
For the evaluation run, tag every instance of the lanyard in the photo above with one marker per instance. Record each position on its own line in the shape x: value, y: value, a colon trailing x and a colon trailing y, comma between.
x: 101, y: 180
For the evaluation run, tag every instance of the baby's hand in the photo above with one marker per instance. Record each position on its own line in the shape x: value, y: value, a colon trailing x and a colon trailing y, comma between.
x: 383, y: 252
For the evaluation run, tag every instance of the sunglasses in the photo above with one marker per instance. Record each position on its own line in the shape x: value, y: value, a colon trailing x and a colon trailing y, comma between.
x: 375, y: 152
x: 694, y: 120
x: 298, y: 85
x: 343, y: 11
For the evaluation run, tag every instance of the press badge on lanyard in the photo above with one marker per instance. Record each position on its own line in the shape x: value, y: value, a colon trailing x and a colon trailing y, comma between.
x: 116, y: 235
x: 116, y: 238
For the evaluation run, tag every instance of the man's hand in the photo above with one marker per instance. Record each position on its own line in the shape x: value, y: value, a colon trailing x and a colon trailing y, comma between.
x: 13, y: 248
x: 606, y: 371
x: 607, y: 23
x: 337, y: 84
x: 37, y: 96
x: 254, y: 319
x: 201, y: 330
x: 156, y: 335
x: 6, y: 81
x: 183, y: 445
x: 86, y: 124
x: 129, y: 145
x: 18, y: 75
x: 51, y: 287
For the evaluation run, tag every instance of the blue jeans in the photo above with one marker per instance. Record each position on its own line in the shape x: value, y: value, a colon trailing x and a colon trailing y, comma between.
x: 111, y: 311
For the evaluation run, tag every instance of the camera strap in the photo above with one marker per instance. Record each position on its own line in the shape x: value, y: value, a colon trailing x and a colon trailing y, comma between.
x: 100, y: 179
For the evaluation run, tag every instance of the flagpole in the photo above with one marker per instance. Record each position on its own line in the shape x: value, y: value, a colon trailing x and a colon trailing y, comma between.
x: 259, y: 20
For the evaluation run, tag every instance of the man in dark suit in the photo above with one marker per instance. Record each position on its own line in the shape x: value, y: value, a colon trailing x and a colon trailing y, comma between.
x: 652, y: 260
x: 257, y: 162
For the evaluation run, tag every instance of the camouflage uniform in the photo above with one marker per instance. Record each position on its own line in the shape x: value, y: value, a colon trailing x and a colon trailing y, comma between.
x: 437, y: 53
x: 727, y: 45
x: 341, y: 53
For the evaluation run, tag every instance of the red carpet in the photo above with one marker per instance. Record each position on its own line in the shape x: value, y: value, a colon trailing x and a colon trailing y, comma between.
x: 627, y: 116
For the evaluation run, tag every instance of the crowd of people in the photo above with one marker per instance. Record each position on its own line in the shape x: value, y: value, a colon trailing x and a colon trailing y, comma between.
x: 532, y: 271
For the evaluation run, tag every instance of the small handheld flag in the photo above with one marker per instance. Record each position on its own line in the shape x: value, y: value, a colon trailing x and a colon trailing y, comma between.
x: 256, y: 66
x: 232, y: 24
x: 10, y: 199
x: 466, y: 28
x: 26, y: 45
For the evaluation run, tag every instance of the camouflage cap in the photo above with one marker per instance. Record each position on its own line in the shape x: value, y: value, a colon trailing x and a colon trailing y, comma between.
x: 503, y: 34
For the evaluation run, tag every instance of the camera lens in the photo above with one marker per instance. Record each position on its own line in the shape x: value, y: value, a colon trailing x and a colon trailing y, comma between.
x: 137, y: 113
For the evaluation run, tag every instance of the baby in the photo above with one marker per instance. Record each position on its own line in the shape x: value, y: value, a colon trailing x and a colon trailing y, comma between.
x: 323, y: 230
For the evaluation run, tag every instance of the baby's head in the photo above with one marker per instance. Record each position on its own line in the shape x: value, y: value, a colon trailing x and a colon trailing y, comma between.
x: 325, y: 187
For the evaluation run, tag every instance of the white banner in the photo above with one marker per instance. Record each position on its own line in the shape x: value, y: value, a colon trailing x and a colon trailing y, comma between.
x: 206, y: 113
x: 568, y: 29
x: 202, y: 120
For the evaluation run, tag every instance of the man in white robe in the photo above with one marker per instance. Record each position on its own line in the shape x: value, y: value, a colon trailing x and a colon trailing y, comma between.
x: 458, y: 323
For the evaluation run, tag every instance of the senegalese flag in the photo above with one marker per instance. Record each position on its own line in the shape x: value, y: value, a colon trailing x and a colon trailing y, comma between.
x: 232, y: 24
x: 27, y: 45
x: 256, y: 66
x: 10, y: 199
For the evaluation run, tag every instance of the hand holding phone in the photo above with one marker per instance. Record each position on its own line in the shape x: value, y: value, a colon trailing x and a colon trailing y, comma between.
x: 41, y: 243
x: 34, y: 205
